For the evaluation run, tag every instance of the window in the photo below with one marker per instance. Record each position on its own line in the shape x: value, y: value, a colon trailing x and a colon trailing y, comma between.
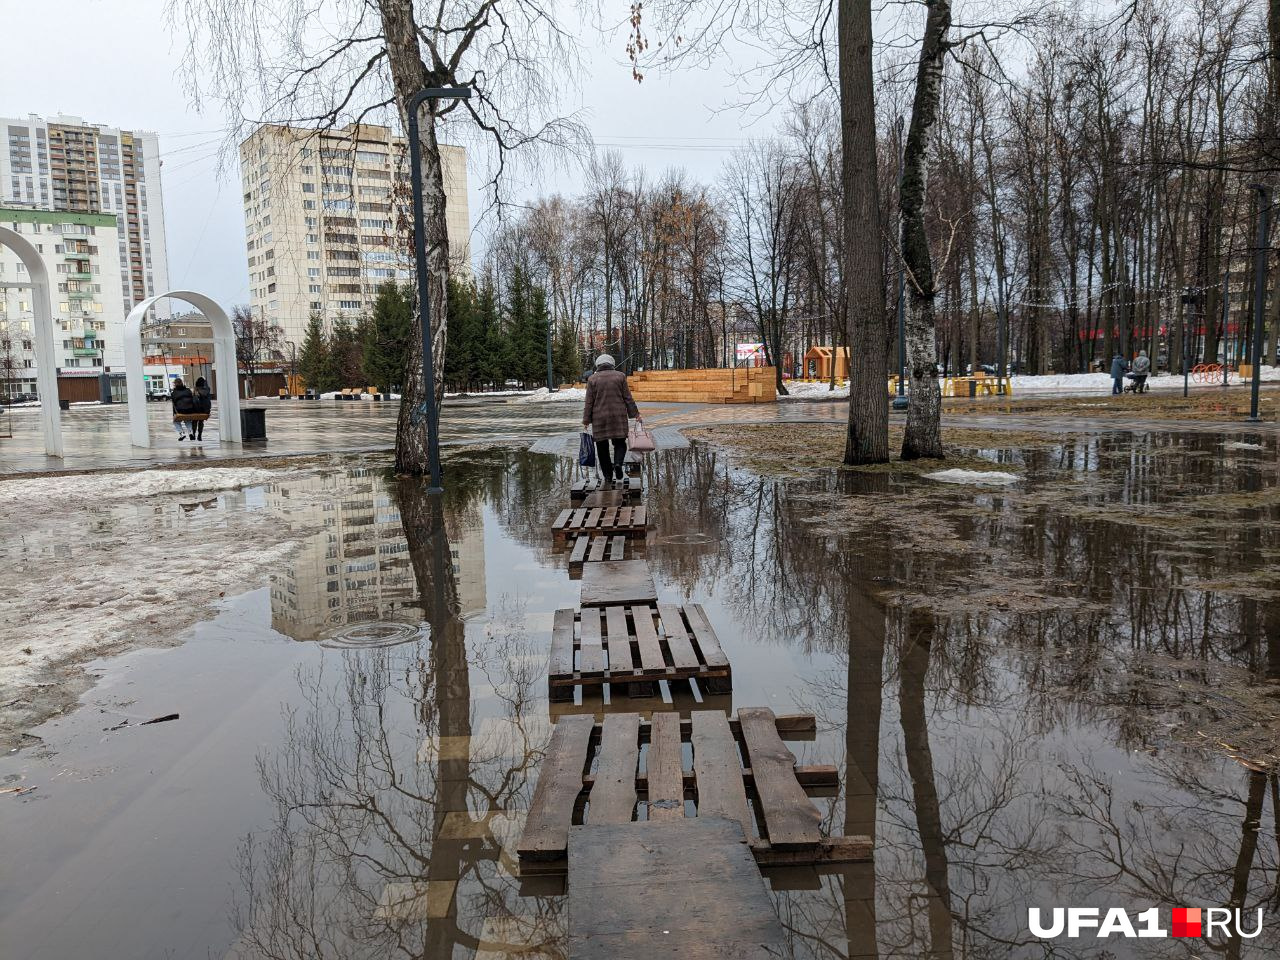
x: 313, y: 288
x: 308, y: 204
x: 308, y: 171
x: 308, y: 188
x: 313, y: 238
x: 348, y: 304
x: 313, y: 271
x: 313, y: 254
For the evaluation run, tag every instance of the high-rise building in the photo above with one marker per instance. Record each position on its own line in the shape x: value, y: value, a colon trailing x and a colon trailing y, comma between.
x: 322, y: 214
x: 66, y: 164
x: 80, y: 254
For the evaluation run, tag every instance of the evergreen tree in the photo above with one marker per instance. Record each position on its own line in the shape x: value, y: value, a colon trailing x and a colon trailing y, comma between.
x: 386, y: 335
x: 315, y: 363
x: 495, y: 357
x: 540, y: 330
x: 463, y: 345
x: 344, y: 348
x: 567, y: 357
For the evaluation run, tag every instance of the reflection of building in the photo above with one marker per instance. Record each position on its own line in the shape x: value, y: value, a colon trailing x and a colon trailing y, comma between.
x: 79, y: 253
x: 321, y: 217
x: 357, y: 568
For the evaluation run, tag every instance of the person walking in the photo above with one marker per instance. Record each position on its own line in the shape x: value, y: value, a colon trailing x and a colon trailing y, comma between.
x: 183, y: 401
x: 203, y: 402
x: 608, y: 405
x: 1117, y: 373
x: 1141, y: 368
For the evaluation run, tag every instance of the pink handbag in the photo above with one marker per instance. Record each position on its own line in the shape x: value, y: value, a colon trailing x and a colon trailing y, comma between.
x: 640, y: 440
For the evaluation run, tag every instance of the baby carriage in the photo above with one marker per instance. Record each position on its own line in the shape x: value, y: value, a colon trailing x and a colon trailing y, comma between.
x: 1137, y: 383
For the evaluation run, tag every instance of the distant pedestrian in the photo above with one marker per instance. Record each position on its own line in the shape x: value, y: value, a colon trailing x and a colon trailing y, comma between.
x: 1141, y: 369
x: 1117, y: 373
x: 203, y: 401
x: 183, y: 401
x: 608, y: 405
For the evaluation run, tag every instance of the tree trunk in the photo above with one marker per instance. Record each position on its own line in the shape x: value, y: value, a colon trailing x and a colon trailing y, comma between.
x: 410, y: 74
x: 923, y: 436
x: 867, y: 438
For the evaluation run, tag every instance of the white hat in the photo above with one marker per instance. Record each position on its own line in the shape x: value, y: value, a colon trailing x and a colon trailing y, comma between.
x: 604, y: 360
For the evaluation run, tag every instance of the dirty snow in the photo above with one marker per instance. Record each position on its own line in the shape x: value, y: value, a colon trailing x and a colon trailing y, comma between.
x: 1241, y: 445
x: 95, y: 487
x: 102, y: 563
x: 543, y: 395
x: 983, y: 477
x: 816, y: 391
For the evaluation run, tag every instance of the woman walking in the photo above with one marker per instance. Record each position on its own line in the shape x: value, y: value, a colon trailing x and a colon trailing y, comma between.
x: 608, y: 405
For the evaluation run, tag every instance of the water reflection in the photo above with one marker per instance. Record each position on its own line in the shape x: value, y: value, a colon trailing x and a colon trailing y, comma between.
x: 1010, y: 683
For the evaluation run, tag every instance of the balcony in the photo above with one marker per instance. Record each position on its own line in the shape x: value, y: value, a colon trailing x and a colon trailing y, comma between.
x: 80, y: 275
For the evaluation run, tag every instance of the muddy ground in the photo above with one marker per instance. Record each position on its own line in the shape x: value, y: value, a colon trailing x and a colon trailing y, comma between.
x: 1198, y: 516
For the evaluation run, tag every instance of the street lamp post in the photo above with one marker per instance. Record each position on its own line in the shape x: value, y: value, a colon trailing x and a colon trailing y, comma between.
x: 293, y: 362
x: 1259, y: 293
x: 429, y: 407
x: 550, y: 385
x: 900, y: 402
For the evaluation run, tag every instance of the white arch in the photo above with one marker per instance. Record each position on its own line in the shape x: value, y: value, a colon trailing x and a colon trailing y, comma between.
x: 46, y: 361
x: 224, y: 359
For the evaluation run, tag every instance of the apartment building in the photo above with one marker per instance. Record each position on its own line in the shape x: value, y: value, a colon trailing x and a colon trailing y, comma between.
x: 324, y: 214
x: 68, y: 165
x: 80, y: 253
x: 357, y: 570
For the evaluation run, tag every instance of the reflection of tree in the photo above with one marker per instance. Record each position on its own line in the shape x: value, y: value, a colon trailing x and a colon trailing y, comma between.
x: 390, y: 815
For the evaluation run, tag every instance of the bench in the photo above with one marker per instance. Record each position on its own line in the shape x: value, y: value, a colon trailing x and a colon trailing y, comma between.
x: 190, y: 417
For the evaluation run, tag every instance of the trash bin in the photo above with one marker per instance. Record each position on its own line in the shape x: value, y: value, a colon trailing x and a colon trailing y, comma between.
x: 64, y: 404
x: 253, y: 424
x: 973, y: 387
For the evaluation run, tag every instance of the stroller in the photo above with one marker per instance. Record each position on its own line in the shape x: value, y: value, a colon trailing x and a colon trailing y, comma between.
x: 1137, y: 383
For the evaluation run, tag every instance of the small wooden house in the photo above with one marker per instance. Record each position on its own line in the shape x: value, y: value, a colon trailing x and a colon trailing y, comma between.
x: 818, y: 360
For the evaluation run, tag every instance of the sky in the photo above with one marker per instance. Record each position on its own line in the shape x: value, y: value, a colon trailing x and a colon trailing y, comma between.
x: 114, y: 62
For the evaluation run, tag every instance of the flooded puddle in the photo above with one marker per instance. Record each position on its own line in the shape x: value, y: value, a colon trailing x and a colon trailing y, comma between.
x: 1031, y: 696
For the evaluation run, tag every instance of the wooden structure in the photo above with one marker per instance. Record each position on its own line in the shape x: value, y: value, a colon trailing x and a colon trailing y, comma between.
x: 783, y: 828
x: 635, y: 893
x: 607, y: 521
x: 620, y: 582
x: 585, y: 486
x: 819, y: 360
x: 588, y: 549
x: 712, y: 385
x: 633, y: 647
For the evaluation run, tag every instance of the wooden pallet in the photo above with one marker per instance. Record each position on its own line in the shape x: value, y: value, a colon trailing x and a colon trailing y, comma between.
x: 628, y: 521
x: 633, y: 647
x: 631, y: 487
x: 635, y: 893
x: 787, y: 831
x: 588, y: 549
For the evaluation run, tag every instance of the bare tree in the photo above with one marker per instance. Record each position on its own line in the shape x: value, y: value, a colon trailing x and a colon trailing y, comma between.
x: 370, y: 60
x: 257, y: 340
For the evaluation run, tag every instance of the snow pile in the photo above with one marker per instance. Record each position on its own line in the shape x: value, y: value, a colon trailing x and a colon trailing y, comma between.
x: 1101, y: 382
x: 816, y: 391
x: 92, y: 487
x: 543, y: 395
x: 981, y: 477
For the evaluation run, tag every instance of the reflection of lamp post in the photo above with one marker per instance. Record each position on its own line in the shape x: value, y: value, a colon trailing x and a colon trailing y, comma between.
x: 293, y: 362
x: 900, y: 402
x: 428, y: 407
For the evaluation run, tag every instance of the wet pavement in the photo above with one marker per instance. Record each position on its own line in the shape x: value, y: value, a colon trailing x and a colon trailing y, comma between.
x: 1025, y: 692
x: 97, y: 437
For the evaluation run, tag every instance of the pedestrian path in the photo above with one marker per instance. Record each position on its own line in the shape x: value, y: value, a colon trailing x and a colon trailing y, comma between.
x: 661, y: 822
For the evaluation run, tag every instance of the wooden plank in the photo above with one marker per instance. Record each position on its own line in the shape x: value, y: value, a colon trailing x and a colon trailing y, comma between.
x: 590, y: 649
x: 682, y: 655
x: 613, y: 795
x: 712, y: 653
x: 546, y: 827
x: 605, y: 498
x: 790, y: 818
x: 561, y: 521
x: 639, y: 517
x: 820, y: 778
x: 597, y: 549
x: 617, y: 582
x: 665, y: 776
x: 592, y: 520
x: 718, y: 768
x: 618, y: 548
x: 853, y: 849
x: 561, y: 664
x: 620, y: 659
x: 579, y: 554
x: 637, y: 893
x: 651, y: 658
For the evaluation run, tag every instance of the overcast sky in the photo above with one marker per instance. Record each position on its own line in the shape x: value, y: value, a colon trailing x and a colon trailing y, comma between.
x: 112, y: 62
